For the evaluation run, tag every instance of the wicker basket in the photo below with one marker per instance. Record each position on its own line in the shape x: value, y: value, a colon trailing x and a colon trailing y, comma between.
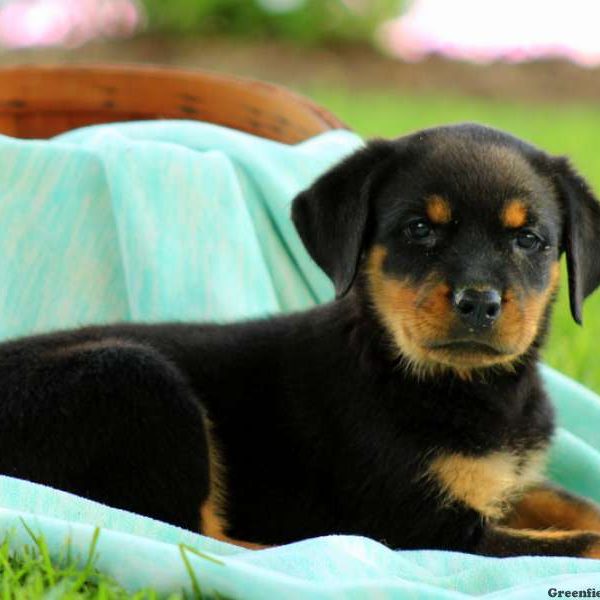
x: 40, y: 101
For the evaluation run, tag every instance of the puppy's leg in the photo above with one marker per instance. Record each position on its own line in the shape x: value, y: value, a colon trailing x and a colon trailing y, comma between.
x: 504, y: 541
x: 549, y: 506
x: 115, y: 423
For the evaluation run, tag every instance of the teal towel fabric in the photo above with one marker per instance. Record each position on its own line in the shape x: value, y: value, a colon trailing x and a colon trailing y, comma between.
x: 154, y: 221
x: 190, y: 221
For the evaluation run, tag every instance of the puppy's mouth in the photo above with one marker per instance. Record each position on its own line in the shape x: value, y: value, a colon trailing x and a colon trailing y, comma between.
x: 467, y: 354
x: 468, y: 347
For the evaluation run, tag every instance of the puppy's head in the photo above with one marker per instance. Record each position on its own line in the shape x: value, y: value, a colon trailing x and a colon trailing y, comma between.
x: 456, y: 232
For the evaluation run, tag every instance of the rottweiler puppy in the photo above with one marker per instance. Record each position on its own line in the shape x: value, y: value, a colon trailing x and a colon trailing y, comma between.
x: 409, y: 409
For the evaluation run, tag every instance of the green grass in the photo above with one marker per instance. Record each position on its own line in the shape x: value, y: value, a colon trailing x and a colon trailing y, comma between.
x: 30, y: 573
x: 570, y: 130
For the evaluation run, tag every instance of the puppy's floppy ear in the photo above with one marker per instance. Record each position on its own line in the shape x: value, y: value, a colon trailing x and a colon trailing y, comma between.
x: 332, y: 215
x: 581, y: 234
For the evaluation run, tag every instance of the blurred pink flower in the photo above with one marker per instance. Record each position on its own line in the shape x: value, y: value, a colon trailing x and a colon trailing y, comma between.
x: 25, y: 23
x: 489, y: 30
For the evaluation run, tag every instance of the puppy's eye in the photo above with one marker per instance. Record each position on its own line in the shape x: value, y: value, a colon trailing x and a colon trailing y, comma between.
x: 527, y: 240
x: 419, y: 230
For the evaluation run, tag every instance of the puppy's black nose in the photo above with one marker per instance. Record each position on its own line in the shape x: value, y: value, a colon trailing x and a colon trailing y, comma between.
x: 477, y: 309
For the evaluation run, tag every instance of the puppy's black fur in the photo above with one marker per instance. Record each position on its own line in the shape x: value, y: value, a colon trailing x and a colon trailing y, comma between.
x: 409, y: 409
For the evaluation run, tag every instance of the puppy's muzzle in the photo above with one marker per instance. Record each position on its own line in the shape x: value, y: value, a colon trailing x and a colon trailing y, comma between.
x: 477, y: 309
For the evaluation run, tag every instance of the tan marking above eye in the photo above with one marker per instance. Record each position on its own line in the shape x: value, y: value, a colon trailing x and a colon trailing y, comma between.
x: 438, y: 210
x: 514, y: 214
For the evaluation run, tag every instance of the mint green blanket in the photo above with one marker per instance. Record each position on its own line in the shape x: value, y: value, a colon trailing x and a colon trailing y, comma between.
x: 188, y: 221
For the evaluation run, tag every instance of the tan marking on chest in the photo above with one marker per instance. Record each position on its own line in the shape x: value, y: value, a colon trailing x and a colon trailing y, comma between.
x: 488, y: 484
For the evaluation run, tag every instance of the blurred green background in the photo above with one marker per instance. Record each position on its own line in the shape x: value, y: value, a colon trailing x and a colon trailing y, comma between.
x: 328, y: 50
x: 302, y: 21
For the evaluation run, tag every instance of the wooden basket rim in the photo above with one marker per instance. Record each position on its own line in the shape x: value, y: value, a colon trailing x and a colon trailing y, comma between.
x: 34, y: 89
